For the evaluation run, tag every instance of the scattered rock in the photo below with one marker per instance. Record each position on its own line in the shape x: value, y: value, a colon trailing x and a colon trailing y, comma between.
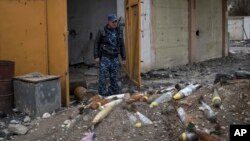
x: 6, y: 132
x: 170, y: 76
x: 206, y: 130
x: 222, y: 107
x: 2, y: 135
x: 2, y: 124
x: 241, y: 96
x: 27, y: 124
x: 155, y: 125
x: 185, y: 103
x: 159, y: 74
x: 15, y: 122
x: 18, y: 129
x: 46, y: 115
x: 247, y: 119
x: 222, y: 78
x: 223, y: 127
x: 86, y: 118
x: 54, y: 113
x: 242, y: 74
x: 66, y: 122
x: 15, y: 110
x: 26, y: 119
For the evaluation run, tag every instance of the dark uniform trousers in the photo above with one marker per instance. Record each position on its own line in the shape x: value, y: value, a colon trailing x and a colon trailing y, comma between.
x: 109, y: 68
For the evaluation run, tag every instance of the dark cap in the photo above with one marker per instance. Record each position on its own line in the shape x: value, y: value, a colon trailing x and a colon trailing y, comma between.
x: 112, y: 17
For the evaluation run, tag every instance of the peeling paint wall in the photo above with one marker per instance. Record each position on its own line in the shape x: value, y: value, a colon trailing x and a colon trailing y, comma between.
x: 209, y: 24
x: 85, y: 17
x: 170, y: 31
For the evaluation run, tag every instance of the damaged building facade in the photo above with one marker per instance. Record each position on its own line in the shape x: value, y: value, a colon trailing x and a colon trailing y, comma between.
x: 49, y: 35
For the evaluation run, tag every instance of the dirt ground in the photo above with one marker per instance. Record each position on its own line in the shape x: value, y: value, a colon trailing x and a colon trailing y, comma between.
x: 166, y: 125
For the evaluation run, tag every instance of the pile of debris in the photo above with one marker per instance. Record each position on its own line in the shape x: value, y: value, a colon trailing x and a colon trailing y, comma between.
x: 243, y: 43
x: 149, y: 111
x: 18, y: 123
x: 184, y: 111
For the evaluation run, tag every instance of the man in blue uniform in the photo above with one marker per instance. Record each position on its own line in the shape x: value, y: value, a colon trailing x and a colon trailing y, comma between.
x: 108, y: 46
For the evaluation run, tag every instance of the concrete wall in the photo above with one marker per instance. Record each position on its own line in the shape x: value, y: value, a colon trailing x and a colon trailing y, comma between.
x: 239, y: 28
x: 147, y: 52
x: 247, y: 27
x: 235, y: 28
x: 120, y: 8
x: 170, y: 32
x: 86, y: 17
x: 209, y: 24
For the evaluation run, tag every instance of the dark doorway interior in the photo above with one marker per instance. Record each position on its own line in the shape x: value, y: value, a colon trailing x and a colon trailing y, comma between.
x: 85, y: 17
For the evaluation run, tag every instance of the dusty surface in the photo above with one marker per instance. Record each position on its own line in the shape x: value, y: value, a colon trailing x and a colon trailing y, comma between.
x: 166, y: 125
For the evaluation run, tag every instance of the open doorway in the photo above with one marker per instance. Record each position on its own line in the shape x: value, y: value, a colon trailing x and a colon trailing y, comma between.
x: 85, y: 18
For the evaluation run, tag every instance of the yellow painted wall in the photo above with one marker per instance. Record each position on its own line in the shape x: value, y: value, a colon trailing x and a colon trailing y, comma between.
x: 23, y: 35
x: 33, y: 34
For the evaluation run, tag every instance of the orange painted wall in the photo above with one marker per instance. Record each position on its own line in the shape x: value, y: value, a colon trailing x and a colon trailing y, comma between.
x: 23, y: 35
x: 33, y: 33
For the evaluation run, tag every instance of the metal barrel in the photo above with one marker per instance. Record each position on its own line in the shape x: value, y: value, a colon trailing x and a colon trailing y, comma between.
x: 6, y: 86
x: 7, y: 69
x: 6, y: 103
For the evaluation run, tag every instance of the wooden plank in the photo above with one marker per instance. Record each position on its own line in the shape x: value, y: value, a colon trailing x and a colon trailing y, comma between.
x: 133, y: 33
x: 134, y: 3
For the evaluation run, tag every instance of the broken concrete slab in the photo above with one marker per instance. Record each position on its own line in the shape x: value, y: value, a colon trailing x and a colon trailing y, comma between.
x: 18, y: 129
